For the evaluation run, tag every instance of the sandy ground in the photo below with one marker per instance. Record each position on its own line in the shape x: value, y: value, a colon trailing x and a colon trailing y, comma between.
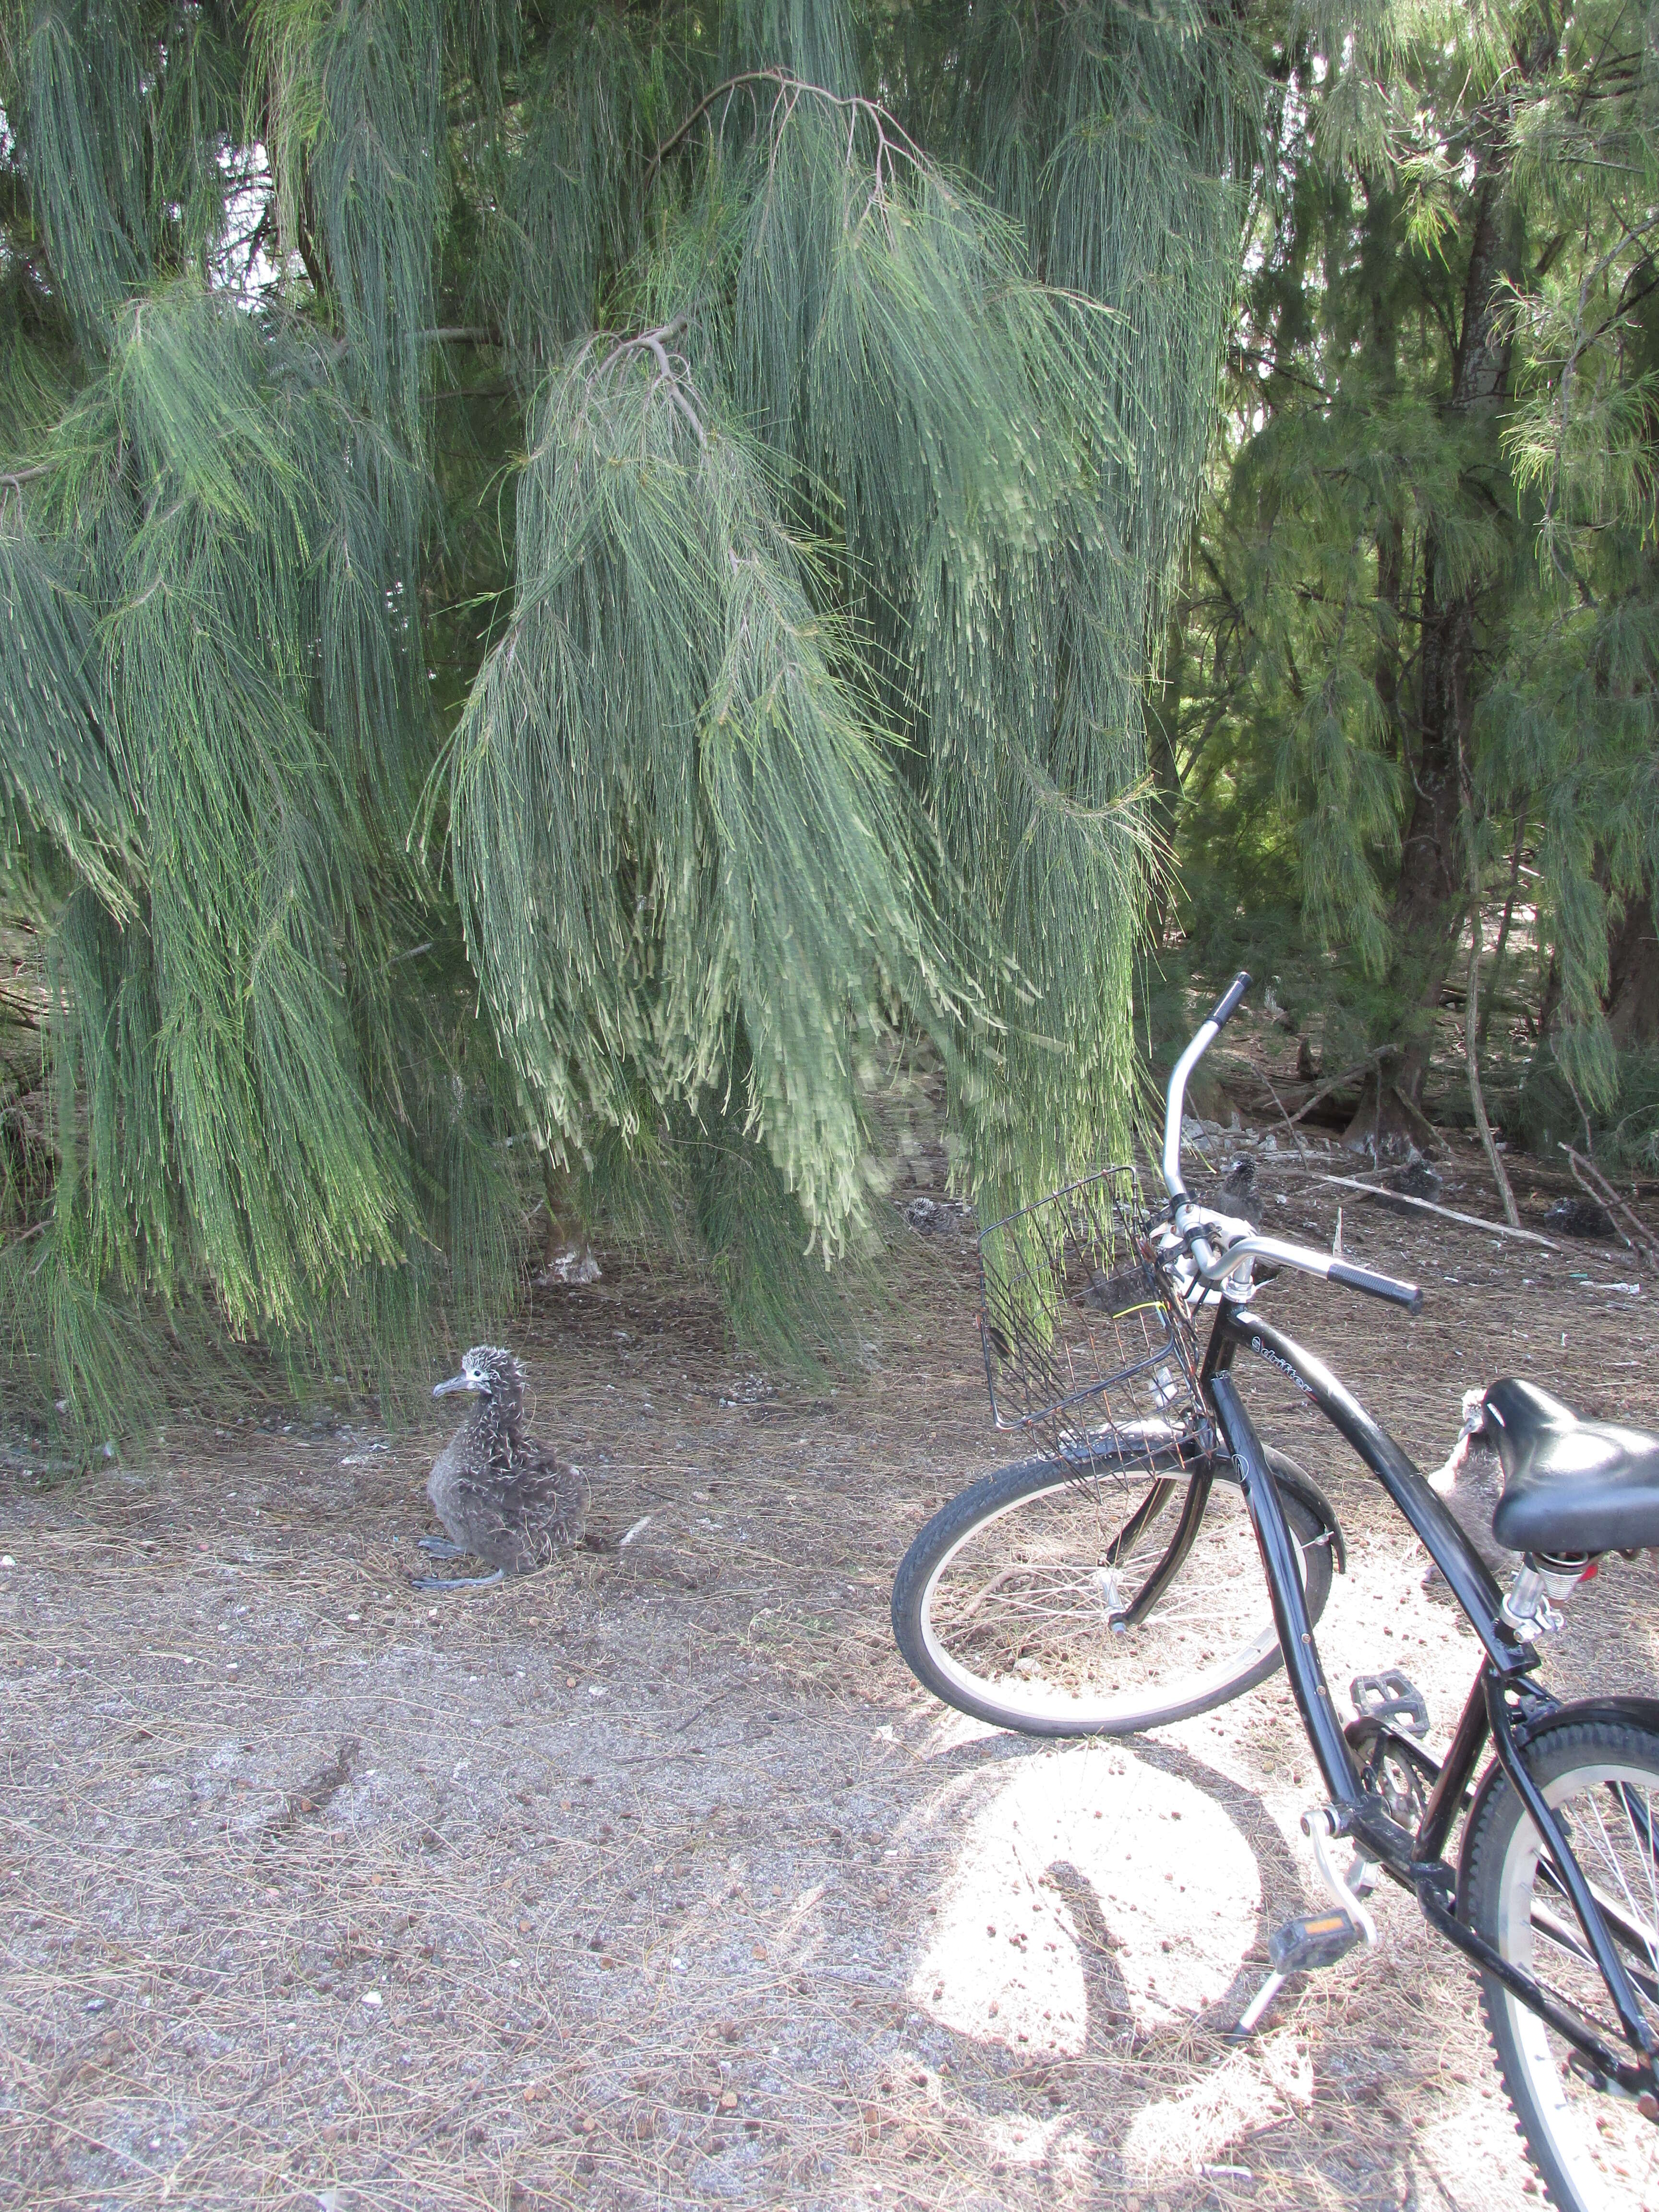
x: 654, y: 1880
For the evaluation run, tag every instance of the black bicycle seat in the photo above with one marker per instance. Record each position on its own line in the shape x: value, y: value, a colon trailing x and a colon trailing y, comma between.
x: 1570, y: 1485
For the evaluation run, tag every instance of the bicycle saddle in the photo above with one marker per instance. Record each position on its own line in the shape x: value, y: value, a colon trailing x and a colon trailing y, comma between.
x: 1570, y: 1485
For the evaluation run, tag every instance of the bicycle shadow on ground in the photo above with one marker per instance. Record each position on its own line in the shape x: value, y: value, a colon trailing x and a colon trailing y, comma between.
x: 1102, y: 1913
x: 1106, y: 1773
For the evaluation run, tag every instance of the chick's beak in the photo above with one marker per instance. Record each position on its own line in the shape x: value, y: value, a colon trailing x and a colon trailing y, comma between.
x: 461, y: 1382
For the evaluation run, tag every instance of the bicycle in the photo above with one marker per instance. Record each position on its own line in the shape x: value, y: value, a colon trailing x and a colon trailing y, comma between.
x: 1112, y: 1583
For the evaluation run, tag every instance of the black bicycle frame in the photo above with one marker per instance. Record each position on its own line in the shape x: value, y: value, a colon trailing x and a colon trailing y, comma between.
x: 1503, y: 1699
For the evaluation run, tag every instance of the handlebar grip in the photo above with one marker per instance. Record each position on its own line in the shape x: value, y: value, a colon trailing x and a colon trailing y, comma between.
x: 1227, y: 1005
x: 1376, y: 1287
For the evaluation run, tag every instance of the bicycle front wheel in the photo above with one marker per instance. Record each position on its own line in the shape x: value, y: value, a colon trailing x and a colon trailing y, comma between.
x: 1600, y: 1775
x: 1012, y: 1602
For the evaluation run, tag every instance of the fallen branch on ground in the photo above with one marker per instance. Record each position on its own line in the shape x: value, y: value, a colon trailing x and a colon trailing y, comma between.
x: 1446, y: 1212
x: 1339, y: 1083
x: 312, y: 1795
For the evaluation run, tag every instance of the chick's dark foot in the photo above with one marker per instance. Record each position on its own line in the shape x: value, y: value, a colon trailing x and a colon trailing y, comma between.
x: 466, y: 1581
x: 440, y: 1547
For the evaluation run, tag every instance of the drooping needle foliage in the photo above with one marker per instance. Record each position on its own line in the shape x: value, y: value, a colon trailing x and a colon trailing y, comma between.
x: 571, y: 573
x: 1418, y: 659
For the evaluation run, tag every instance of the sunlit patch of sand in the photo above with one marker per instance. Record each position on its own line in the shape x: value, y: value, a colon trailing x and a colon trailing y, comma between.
x: 1091, y: 1882
x: 1251, y: 2089
x: 1054, y: 2142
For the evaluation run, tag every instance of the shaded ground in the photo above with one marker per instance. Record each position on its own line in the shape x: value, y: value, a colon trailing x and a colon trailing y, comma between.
x: 654, y: 1880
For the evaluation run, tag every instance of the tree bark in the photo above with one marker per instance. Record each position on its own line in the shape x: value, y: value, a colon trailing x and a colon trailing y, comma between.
x: 1633, y: 975
x: 1430, y: 900
x: 1429, y: 903
x: 1502, y: 932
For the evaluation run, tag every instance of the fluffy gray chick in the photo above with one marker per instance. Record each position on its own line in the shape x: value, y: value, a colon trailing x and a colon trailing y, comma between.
x: 1472, y: 1482
x: 501, y: 1498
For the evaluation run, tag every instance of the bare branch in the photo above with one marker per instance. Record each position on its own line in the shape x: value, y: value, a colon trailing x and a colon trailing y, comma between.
x: 673, y: 372
x: 1340, y: 1081
x: 1446, y: 1212
x: 791, y: 90
x: 1591, y: 1181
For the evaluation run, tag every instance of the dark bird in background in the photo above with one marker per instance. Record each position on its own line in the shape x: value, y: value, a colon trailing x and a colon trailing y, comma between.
x: 1241, y: 1192
x: 1417, y: 1178
x: 1579, y: 1216
x: 501, y: 1498
x: 1414, y: 1178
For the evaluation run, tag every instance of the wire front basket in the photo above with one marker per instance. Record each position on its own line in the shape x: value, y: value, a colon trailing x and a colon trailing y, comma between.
x: 1088, y: 1347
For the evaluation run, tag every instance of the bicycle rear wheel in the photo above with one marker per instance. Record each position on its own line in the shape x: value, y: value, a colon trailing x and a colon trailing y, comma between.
x: 1600, y: 1775
x: 1009, y: 1604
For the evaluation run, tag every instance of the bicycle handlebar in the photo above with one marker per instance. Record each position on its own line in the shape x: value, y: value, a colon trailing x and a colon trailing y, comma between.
x: 1378, y: 1286
x: 1223, y: 1012
x: 1305, y: 1258
x: 1215, y: 1267
x: 1227, y: 1005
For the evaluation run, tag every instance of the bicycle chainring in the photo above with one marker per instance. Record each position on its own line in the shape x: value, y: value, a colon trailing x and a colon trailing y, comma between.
x: 1392, y: 1770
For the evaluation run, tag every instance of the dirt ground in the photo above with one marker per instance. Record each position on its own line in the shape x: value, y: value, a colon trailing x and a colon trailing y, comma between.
x: 654, y: 1880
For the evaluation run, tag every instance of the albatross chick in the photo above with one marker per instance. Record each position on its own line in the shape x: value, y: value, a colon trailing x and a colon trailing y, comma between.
x: 501, y: 1496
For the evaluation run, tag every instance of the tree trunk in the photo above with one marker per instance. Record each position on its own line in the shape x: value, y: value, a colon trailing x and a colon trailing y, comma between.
x: 1430, y: 900
x: 1633, y: 975
x: 1503, y: 933
x: 1429, y: 903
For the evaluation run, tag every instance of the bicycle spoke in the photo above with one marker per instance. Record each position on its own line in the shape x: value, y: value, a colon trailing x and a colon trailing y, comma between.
x: 1036, y: 1598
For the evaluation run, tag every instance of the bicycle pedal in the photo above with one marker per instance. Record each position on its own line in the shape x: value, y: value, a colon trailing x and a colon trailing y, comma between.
x: 1315, y: 1939
x: 1390, y: 1696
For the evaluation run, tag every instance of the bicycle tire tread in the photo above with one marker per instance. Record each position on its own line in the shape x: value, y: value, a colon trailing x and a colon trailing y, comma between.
x: 1578, y: 1732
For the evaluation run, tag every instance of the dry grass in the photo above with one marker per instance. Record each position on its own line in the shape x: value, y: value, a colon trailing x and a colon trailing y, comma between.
x: 652, y: 1880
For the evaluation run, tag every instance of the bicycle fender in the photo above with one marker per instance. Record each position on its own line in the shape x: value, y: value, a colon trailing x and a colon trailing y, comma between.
x: 1307, y: 1492
x: 1642, y: 1713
